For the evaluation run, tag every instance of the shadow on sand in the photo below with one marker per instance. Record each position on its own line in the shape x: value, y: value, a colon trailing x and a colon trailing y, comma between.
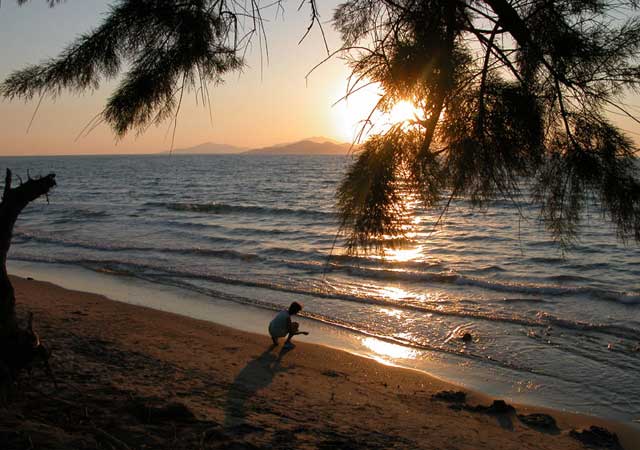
x: 256, y: 375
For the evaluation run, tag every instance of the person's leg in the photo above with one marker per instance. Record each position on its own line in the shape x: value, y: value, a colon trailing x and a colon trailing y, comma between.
x: 275, y: 340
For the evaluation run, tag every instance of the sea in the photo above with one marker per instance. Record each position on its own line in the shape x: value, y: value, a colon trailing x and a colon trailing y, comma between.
x: 551, y: 326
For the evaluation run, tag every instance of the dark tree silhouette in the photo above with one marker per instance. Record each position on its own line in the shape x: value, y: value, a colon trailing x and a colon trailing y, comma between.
x: 19, y: 347
x: 512, y: 91
x: 14, y: 200
x: 169, y: 47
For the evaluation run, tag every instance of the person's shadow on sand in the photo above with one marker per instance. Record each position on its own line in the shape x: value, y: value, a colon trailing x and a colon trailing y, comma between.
x: 256, y: 375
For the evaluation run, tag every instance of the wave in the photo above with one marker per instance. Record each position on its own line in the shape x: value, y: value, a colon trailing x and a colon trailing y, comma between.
x: 224, y: 208
x: 399, y: 274
x: 489, y: 269
x: 550, y: 290
x: 471, y: 238
x: 245, y: 231
x: 220, y: 253
x: 69, y: 215
x: 315, y: 263
x: 254, y: 236
x: 163, y: 275
x: 537, y: 290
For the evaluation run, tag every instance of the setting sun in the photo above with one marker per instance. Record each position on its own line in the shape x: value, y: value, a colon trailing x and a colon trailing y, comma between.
x: 404, y: 111
x: 352, y: 114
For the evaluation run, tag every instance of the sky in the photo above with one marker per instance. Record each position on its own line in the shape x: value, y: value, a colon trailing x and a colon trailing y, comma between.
x: 267, y: 103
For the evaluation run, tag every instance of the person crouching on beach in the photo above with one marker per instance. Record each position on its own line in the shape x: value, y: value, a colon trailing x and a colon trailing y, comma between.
x: 282, y: 326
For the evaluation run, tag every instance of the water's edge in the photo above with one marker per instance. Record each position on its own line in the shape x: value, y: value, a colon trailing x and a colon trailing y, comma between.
x: 486, y: 379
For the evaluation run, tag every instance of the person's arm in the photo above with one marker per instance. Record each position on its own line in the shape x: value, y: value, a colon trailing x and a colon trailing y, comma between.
x: 290, y: 328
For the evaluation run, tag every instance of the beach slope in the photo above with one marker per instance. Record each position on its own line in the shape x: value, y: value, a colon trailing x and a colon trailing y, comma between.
x: 132, y: 378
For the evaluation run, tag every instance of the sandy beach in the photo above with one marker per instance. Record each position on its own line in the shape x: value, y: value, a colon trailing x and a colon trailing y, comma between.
x: 131, y: 378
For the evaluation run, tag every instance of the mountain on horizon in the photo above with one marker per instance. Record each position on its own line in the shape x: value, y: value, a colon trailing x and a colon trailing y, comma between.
x: 316, y: 145
x: 210, y: 148
x: 311, y: 146
x: 322, y: 139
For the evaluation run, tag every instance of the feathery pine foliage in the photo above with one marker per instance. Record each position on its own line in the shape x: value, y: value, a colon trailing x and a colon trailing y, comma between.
x: 512, y: 90
x: 165, y: 47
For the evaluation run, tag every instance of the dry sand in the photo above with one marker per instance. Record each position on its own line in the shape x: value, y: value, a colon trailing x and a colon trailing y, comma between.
x: 132, y: 377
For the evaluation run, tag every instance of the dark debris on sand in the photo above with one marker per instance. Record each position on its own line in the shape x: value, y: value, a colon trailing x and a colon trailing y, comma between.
x: 450, y: 396
x: 149, y: 413
x: 497, y: 407
x: 597, y: 437
x: 542, y: 422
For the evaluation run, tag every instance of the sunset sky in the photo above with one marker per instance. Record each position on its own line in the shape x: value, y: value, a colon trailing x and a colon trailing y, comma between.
x: 251, y: 109
x: 254, y: 108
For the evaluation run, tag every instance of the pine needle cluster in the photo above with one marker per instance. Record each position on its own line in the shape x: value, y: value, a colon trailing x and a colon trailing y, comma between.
x: 517, y: 98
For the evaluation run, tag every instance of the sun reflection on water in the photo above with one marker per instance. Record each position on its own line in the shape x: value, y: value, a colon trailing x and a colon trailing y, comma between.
x: 393, y: 293
x: 403, y: 254
x: 386, y: 351
x: 391, y: 312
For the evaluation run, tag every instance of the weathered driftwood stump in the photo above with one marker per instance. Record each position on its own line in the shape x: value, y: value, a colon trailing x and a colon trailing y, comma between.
x: 19, y: 347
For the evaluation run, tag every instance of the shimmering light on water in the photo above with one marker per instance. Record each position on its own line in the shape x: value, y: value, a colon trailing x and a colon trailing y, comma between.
x: 387, y: 350
x: 404, y: 254
x: 391, y: 312
x: 393, y: 293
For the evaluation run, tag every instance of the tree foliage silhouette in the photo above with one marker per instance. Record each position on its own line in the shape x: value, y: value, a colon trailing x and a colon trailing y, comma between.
x: 511, y: 90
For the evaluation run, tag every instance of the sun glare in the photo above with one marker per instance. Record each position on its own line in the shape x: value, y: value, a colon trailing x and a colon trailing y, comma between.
x: 403, y: 254
x: 403, y: 111
x: 352, y: 113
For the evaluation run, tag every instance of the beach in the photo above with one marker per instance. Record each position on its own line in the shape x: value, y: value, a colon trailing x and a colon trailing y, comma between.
x: 134, y: 377
x: 258, y: 233
x: 445, y: 194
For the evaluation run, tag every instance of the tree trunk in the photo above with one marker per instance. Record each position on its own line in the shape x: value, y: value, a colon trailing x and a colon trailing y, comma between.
x: 13, y: 202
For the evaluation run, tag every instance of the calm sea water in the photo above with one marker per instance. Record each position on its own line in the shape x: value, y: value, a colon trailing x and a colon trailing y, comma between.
x: 258, y: 230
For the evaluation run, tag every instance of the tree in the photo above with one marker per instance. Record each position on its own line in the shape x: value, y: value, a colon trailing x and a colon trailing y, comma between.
x: 19, y: 348
x: 14, y: 200
x: 512, y: 91
x: 168, y: 46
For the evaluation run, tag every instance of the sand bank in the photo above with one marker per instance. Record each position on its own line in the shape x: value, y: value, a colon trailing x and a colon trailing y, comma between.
x: 133, y: 377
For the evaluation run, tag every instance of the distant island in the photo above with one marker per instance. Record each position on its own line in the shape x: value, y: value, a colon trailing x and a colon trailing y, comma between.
x: 304, y: 147
x: 209, y: 148
x: 310, y: 146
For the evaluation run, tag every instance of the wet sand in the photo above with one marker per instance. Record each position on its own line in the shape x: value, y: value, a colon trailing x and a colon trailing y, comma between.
x: 132, y: 378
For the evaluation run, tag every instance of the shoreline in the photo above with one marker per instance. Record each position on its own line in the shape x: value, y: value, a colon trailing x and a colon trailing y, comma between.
x: 473, y: 375
x: 116, y: 357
